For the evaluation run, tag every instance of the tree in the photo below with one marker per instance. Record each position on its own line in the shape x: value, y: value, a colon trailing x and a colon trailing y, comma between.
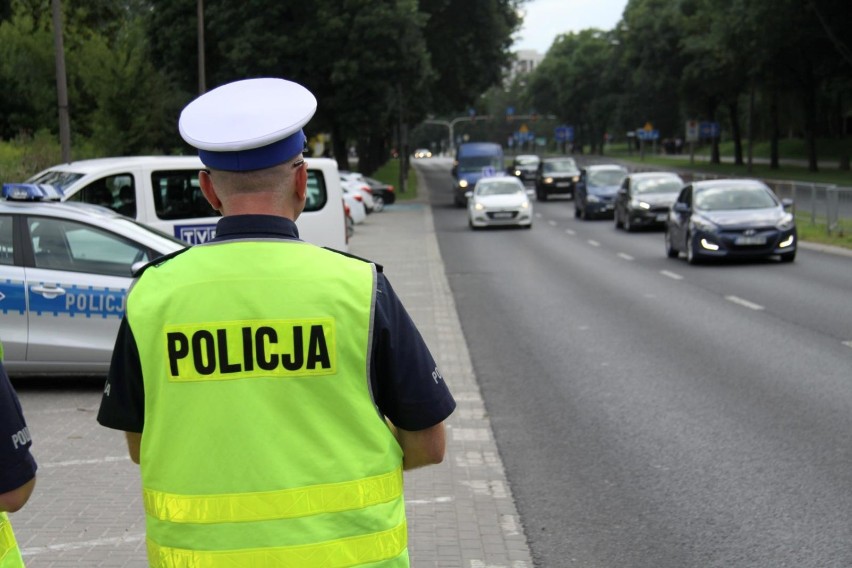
x: 572, y: 82
x: 469, y: 42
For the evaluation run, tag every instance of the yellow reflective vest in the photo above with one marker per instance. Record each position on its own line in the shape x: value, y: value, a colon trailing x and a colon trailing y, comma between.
x: 262, y: 444
x: 10, y: 554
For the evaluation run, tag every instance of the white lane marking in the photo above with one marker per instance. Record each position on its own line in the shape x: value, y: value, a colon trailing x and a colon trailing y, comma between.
x: 625, y: 256
x: 107, y: 459
x: 83, y: 544
x: 593, y: 243
x: 847, y: 343
x: 671, y: 275
x: 446, y: 499
x: 746, y: 303
x: 571, y: 232
x: 551, y: 222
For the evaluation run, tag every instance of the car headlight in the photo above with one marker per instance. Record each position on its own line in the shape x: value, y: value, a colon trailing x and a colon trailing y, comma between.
x: 525, y: 205
x: 638, y: 204
x: 786, y: 222
x: 593, y: 198
x: 548, y: 180
x: 463, y: 183
x: 518, y: 172
x: 575, y: 179
x: 703, y: 224
x: 479, y: 206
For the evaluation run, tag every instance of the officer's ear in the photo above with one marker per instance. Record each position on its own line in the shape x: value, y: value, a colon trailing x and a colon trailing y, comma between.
x: 302, y: 182
x: 206, y: 182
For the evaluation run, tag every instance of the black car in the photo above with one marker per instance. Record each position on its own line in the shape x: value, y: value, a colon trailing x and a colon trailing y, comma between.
x: 557, y: 175
x: 596, y: 190
x: 730, y: 218
x: 644, y: 199
x: 524, y: 167
x: 383, y: 193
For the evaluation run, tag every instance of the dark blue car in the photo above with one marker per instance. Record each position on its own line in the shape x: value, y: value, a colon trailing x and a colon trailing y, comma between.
x: 731, y: 218
x: 594, y: 196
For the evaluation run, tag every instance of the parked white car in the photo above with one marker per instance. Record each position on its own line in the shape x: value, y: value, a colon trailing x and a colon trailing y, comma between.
x: 355, y: 201
x: 358, y: 183
x: 163, y: 192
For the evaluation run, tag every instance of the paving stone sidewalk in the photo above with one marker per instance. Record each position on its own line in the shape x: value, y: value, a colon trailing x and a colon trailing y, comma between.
x: 461, y: 513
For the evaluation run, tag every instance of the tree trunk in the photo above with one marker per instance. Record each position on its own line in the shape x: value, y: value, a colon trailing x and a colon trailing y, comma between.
x: 341, y: 152
x: 734, y: 110
x: 809, y: 95
x: 775, y: 133
x: 711, y: 115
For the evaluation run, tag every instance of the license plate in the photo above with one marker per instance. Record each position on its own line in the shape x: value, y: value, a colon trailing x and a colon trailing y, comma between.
x: 563, y: 184
x: 661, y: 217
x: 750, y: 241
x: 503, y: 215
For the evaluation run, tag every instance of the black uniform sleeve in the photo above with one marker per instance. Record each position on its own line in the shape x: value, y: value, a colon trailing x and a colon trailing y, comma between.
x: 123, y: 401
x: 17, y: 465
x: 407, y: 385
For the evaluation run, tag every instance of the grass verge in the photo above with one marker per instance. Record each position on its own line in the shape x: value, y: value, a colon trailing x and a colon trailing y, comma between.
x: 389, y: 173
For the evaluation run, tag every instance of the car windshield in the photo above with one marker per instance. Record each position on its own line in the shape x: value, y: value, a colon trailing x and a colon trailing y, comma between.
x: 59, y: 180
x: 733, y: 198
x: 526, y: 161
x: 606, y: 177
x: 498, y: 188
x: 478, y: 163
x: 658, y: 185
x: 566, y: 165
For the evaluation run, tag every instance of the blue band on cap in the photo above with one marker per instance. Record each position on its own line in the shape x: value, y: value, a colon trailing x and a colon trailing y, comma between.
x: 256, y: 158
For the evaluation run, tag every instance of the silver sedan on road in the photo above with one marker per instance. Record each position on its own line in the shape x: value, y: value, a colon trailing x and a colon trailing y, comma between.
x: 64, y: 273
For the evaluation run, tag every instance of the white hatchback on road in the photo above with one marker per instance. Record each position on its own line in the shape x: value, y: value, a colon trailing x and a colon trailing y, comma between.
x: 499, y: 201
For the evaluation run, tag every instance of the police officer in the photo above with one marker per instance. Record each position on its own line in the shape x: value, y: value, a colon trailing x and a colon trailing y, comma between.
x: 17, y: 467
x: 271, y: 390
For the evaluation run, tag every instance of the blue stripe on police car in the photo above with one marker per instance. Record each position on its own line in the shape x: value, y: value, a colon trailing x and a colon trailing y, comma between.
x: 84, y: 301
x: 12, y: 296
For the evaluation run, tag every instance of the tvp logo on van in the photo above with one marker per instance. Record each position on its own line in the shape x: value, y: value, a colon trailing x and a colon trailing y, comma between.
x: 195, y: 234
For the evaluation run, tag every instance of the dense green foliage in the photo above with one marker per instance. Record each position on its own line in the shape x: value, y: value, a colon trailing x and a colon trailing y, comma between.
x: 374, y: 65
x: 761, y: 68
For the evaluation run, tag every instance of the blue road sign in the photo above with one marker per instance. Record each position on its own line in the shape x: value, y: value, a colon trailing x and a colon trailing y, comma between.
x: 708, y: 130
x: 564, y: 133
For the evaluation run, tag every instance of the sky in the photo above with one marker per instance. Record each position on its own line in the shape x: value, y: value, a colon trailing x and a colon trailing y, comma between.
x: 545, y: 19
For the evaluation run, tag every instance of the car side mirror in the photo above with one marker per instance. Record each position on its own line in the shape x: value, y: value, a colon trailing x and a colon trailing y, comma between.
x: 787, y: 203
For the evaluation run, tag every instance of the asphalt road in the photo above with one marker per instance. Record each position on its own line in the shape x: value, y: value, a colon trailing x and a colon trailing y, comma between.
x: 651, y: 413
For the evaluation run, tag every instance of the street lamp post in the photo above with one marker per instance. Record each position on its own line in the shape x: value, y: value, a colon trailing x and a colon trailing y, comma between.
x: 450, y: 124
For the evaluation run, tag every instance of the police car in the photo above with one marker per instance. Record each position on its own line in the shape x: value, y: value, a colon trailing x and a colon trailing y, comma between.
x: 163, y: 192
x: 64, y: 273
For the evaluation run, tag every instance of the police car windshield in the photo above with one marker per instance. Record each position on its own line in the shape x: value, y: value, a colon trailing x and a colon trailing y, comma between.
x: 57, y: 179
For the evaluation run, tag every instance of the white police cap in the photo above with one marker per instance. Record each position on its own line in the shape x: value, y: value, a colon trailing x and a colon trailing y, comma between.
x: 248, y: 125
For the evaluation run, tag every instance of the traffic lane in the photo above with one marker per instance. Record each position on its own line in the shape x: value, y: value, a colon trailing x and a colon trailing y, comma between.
x: 86, y: 507
x: 825, y: 279
x: 662, y: 442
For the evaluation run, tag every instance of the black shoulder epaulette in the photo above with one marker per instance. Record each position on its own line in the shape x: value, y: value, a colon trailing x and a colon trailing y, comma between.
x: 159, y: 260
x: 379, y: 267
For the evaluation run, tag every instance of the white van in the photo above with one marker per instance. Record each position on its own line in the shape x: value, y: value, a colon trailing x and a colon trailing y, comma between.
x: 163, y: 192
